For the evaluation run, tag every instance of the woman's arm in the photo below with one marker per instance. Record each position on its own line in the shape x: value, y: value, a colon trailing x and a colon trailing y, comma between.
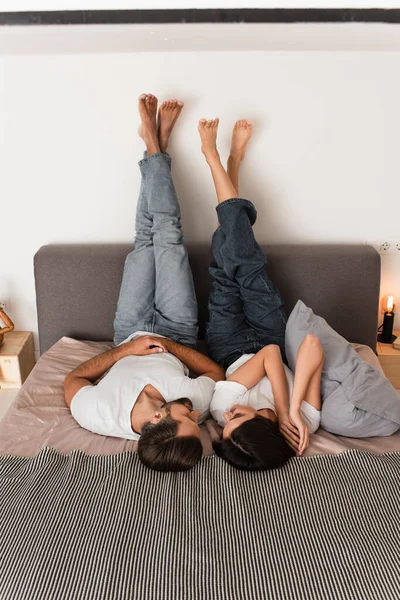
x: 306, y: 386
x: 267, y: 361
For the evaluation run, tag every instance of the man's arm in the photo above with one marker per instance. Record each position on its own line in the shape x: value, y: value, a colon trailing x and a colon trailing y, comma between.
x: 94, y: 368
x: 195, y: 361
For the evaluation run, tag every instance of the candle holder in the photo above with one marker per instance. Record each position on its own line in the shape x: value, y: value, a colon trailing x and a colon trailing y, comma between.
x: 386, y: 336
x: 9, y: 325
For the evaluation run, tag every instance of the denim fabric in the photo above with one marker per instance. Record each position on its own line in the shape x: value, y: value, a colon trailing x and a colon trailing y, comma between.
x: 245, y: 307
x: 157, y: 291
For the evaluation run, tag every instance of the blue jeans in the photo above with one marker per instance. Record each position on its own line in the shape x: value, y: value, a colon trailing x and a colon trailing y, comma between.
x: 157, y: 291
x: 245, y: 307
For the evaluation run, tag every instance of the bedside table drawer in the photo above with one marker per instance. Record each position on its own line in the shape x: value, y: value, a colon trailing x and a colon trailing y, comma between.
x: 9, y: 371
x: 17, y: 359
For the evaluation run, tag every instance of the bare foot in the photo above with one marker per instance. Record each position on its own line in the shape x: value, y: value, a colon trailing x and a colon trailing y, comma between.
x: 147, y: 129
x: 241, y: 134
x: 168, y: 114
x: 208, y: 133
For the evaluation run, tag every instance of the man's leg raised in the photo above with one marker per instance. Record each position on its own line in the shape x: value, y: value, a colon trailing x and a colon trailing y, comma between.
x: 136, y: 299
x: 175, y: 298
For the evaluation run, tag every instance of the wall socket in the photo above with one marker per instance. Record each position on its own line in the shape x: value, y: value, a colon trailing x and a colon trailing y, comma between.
x: 5, y: 304
x: 385, y: 246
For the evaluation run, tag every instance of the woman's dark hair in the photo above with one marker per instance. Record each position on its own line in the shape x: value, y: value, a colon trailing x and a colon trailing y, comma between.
x: 255, y: 445
x: 160, y: 449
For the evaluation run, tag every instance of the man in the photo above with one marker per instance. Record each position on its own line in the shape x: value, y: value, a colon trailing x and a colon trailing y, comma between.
x: 147, y: 391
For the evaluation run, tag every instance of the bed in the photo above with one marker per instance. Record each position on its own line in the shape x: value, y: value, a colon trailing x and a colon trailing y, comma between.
x: 77, y: 503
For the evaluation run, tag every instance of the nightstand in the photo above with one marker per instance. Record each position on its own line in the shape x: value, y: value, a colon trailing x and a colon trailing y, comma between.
x: 17, y: 358
x: 389, y: 358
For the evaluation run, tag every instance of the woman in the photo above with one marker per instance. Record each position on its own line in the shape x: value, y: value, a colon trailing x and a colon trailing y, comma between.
x: 267, y: 414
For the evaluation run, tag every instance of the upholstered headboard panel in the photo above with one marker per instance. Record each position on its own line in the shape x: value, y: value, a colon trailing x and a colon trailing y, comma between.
x: 77, y: 287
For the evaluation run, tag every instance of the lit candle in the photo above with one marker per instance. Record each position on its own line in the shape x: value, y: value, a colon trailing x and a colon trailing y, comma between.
x: 389, y: 304
x: 387, y: 336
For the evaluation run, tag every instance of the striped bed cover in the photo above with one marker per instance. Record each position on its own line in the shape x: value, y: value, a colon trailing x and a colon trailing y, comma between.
x: 88, y: 527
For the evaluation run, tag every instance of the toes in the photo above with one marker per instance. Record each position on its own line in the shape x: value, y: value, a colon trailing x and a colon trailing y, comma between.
x: 211, y: 124
x: 171, y: 104
x: 150, y: 99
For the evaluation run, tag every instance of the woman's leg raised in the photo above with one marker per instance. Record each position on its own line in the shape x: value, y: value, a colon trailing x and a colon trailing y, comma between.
x: 242, y: 259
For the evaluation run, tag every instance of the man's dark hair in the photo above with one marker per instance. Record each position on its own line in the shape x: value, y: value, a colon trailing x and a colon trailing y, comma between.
x: 159, y: 447
x: 255, y: 445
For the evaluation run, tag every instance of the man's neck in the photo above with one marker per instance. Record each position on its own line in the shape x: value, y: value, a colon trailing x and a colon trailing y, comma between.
x: 147, y: 403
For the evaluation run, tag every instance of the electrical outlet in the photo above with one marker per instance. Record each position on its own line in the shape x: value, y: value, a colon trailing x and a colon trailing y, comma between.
x: 5, y: 304
x: 385, y: 246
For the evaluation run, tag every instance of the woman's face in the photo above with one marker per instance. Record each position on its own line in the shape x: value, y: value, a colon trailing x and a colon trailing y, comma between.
x: 238, y: 414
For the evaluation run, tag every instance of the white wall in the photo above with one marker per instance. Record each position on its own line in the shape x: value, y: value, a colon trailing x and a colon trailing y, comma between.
x: 323, y: 165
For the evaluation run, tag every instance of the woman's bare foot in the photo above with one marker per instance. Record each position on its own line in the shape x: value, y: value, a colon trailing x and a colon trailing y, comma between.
x: 208, y: 132
x: 168, y: 114
x: 241, y: 134
x: 148, y: 126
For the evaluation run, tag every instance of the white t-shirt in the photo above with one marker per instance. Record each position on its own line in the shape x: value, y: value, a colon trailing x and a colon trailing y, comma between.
x: 228, y: 393
x: 106, y: 408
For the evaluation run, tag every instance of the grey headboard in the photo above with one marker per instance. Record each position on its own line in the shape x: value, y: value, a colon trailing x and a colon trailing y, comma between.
x: 77, y: 287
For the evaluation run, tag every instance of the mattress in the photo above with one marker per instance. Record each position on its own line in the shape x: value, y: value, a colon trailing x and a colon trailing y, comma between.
x: 39, y: 417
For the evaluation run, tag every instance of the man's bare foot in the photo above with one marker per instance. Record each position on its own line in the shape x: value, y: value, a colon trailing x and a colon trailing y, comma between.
x: 241, y: 134
x: 208, y: 133
x: 148, y: 126
x: 168, y: 114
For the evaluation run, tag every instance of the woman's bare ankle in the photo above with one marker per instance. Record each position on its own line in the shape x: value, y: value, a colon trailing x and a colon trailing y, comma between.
x: 208, y: 134
x: 211, y: 155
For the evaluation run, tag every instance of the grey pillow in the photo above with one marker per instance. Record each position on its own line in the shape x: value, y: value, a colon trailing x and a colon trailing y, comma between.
x: 344, y: 372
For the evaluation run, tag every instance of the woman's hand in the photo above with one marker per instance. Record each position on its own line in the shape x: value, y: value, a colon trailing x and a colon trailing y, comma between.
x: 146, y: 344
x: 296, y: 419
x: 289, y: 431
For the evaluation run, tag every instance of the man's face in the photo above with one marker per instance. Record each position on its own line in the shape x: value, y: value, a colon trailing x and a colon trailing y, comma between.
x: 182, y: 412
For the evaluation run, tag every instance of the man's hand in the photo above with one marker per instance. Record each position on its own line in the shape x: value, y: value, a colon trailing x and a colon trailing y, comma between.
x: 89, y: 372
x: 198, y: 363
x: 146, y: 344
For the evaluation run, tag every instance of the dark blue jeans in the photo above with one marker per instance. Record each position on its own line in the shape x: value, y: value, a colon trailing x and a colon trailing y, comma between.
x: 245, y: 307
